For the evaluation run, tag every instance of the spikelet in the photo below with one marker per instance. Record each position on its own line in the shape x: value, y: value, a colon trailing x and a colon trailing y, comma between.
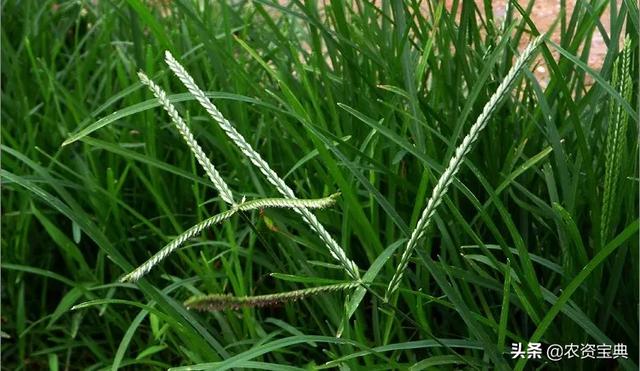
x: 463, y: 149
x: 216, y: 179
x: 146, y: 267
x: 217, y: 302
x: 334, y: 249
x: 616, y: 139
x: 142, y: 270
x: 289, y: 203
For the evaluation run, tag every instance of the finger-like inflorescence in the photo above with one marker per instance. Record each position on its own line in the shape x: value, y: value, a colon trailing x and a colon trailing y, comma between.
x: 217, y: 302
x: 244, y: 206
x: 216, y: 179
x: 616, y: 138
x: 142, y: 270
x: 454, y: 165
x: 334, y: 249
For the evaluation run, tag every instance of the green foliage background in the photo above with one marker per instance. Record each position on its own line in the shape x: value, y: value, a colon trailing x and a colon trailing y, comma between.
x: 366, y: 99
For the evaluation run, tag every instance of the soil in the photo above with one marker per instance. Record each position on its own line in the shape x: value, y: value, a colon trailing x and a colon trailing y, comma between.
x: 544, y: 14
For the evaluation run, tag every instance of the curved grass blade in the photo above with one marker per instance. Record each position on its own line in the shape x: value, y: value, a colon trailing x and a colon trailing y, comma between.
x: 152, y: 103
x: 258, y: 350
x: 571, y: 288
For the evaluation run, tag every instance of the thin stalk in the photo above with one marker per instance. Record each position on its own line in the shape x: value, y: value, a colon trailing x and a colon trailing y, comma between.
x: 455, y: 163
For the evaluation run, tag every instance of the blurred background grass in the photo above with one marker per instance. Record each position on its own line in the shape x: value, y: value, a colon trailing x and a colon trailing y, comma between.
x: 369, y: 99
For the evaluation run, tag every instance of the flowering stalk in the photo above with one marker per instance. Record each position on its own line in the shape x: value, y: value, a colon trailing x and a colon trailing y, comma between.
x: 454, y: 165
x: 217, y: 302
x: 216, y: 179
x: 142, y: 270
x: 616, y: 138
x: 334, y: 249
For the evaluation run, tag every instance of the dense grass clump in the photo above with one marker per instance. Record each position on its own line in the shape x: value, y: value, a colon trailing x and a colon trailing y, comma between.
x: 480, y: 204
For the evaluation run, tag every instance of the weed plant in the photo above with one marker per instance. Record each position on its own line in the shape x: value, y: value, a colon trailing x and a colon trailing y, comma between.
x: 479, y: 205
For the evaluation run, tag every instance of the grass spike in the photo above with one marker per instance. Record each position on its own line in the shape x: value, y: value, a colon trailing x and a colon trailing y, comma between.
x: 616, y: 139
x: 212, y: 173
x: 289, y: 203
x: 217, y: 302
x: 453, y: 167
x: 334, y: 249
x: 146, y: 267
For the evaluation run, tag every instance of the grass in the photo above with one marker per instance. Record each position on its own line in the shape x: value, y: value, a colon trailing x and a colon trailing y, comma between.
x: 535, y: 239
